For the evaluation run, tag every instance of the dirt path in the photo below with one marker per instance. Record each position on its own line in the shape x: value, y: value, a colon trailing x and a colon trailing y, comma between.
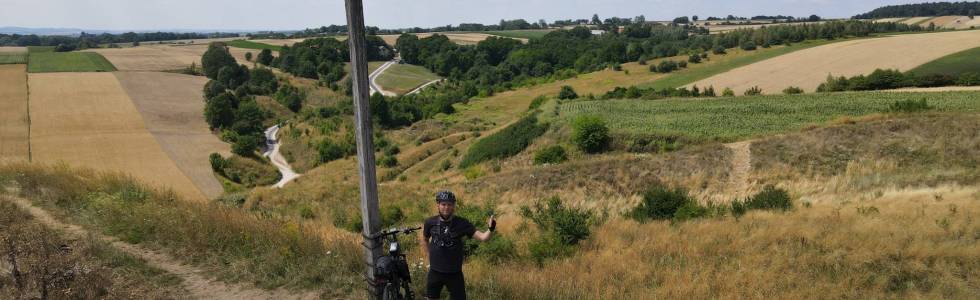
x: 741, y: 167
x: 272, y: 144
x: 194, y: 280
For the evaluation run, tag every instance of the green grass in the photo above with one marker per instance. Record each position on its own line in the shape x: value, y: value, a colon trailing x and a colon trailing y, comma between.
x: 687, y: 76
x: 13, y: 58
x: 39, y: 49
x: 44, y: 62
x: 729, y: 119
x: 403, y: 78
x: 253, y: 45
x: 953, y: 64
x: 521, y: 34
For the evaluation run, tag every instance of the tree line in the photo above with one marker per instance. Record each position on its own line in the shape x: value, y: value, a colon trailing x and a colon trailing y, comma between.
x: 88, y: 40
x: 324, y: 58
x: 923, y: 10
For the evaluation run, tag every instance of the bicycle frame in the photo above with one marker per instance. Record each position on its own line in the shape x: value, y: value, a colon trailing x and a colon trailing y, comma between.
x: 399, y: 278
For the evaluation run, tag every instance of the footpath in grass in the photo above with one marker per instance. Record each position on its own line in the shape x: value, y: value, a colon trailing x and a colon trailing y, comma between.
x: 733, y: 118
x: 953, y: 64
x: 47, y: 62
x: 252, y: 45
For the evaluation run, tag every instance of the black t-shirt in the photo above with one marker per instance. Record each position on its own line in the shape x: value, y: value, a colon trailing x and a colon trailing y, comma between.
x: 446, y: 242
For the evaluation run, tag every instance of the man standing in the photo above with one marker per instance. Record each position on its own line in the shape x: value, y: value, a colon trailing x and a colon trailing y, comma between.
x: 442, y: 243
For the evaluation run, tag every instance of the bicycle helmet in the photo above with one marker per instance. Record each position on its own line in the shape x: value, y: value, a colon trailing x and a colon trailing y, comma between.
x: 445, y: 196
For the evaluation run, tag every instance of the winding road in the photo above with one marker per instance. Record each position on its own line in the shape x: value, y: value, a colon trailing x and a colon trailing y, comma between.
x: 272, y: 152
x: 375, y: 88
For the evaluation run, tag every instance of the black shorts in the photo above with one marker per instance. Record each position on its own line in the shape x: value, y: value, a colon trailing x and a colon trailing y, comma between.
x: 454, y: 282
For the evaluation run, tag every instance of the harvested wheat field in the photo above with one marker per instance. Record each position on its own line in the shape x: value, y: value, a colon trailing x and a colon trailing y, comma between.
x: 458, y: 38
x: 917, y: 20
x: 279, y: 42
x: 87, y: 120
x: 162, y: 57
x: 171, y: 107
x: 809, y: 67
x: 13, y: 49
x: 14, y: 128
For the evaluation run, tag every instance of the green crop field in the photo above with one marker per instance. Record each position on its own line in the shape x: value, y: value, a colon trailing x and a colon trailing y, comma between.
x: 39, y: 49
x: 403, y: 78
x: 734, y: 118
x: 695, y: 73
x: 43, y: 62
x: 953, y: 64
x: 252, y: 45
x: 13, y: 58
x: 520, y: 34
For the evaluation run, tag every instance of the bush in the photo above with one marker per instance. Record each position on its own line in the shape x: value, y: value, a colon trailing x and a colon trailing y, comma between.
x: 262, y: 81
x: 718, y: 50
x: 248, y: 56
x: 728, y: 92
x: 569, y: 225
x: 770, y: 198
x: 754, y: 91
x: 537, y: 102
x: 498, y: 249
x: 694, y: 58
x: 666, y: 66
x: 217, y: 163
x: 909, y: 106
x: 290, y: 97
x: 661, y: 203
x: 391, y: 215
x: 547, y: 246
x: 793, y: 90
x: 690, y: 210
x: 748, y: 45
x: 682, y: 65
x: 245, y: 145
x: 506, y: 143
x: 590, y: 134
x: 968, y: 79
x: 551, y: 155
x: 329, y: 151
x: 567, y: 93
x: 265, y: 57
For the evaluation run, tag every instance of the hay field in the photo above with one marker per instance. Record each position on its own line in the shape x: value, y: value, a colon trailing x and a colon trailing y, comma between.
x: 810, y: 67
x: 458, y: 38
x: 87, y: 120
x: 14, y: 144
x: 163, y: 57
x: 171, y: 107
x: 279, y: 42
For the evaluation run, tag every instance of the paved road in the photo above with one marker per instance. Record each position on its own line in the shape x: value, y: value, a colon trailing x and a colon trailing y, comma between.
x: 375, y: 88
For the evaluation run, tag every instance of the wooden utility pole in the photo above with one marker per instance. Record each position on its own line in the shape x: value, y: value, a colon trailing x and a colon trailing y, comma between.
x: 370, y: 217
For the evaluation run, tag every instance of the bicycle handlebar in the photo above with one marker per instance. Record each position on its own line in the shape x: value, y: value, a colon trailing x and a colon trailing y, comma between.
x: 394, y: 231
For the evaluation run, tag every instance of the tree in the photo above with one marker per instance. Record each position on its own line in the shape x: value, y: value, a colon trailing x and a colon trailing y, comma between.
x: 694, y: 18
x: 233, y: 76
x: 262, y: 81
x: 590, y: 134
x: 265, y: 57
x: 245, y: 145
x: 694, y: 58
x: 219, y: 111
x: 248, y: 118
x: 213, y: 88
x: 248, y: 56
x: 216, y: 58
x: 814, y: 18
x: 596, y: 20
x: 682, y: 20
x: 567, y: 93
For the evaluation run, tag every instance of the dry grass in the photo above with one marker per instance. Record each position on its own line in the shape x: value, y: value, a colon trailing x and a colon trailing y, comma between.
x: 171, y: 107
x: 163, y: 57
x: 810, y: 67
x: 42, y: 262
x: 458, y: 38
x: 86, y: 119
x: 14, y: 127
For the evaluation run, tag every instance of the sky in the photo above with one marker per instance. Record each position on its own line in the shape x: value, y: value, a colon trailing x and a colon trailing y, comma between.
x: 391, y: 14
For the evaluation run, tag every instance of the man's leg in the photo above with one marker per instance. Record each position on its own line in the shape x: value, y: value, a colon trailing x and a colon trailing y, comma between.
x: 433, y: 285
x: 457, y: 286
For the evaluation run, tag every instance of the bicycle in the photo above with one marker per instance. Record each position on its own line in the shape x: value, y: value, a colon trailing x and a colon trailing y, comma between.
x: 391, y: 271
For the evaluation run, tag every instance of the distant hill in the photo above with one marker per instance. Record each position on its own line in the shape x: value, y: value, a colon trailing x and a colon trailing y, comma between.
x: 923, y: 10
x: 77, y: 31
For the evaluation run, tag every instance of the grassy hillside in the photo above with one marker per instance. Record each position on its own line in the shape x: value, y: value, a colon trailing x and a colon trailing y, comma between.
x: 403, y: 78
x: 953, y: 64
x: 729, y: 119
x: 44, y: 62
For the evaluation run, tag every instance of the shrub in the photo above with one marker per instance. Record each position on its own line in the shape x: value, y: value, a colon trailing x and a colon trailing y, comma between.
x: 694, y: 58
x: 969, y: 79
x: 290, y: 96
x: 909, y: 106
x: 660, y: 203
x: 264, y: 57
x: 217, y: 163
x: 770, y: 198
x: 718, y: 50
x: 793, y: 90
x: 728, y: 92
x: 245, y: 145
x: 537, y: 102
x: 590, y: 134
x: 328, y: 151
x: 755, y: 90
x: 498, y: 249
x: 667, y: 66
x: 567, y: 93
x: 569, y: 225
x: 248, y: 56
x: 547, y: 246
x: 682, y: 65
x: 748, y: 45
x: 551, y: 155
x: 690, y: 210
x: 389, y: 161
x: 391, y: 215
x: 306, y: 213
x: 505, y: 143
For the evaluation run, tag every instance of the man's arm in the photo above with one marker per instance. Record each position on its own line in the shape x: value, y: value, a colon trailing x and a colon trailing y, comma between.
x: 424, y: 244
x: 484, y: 236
